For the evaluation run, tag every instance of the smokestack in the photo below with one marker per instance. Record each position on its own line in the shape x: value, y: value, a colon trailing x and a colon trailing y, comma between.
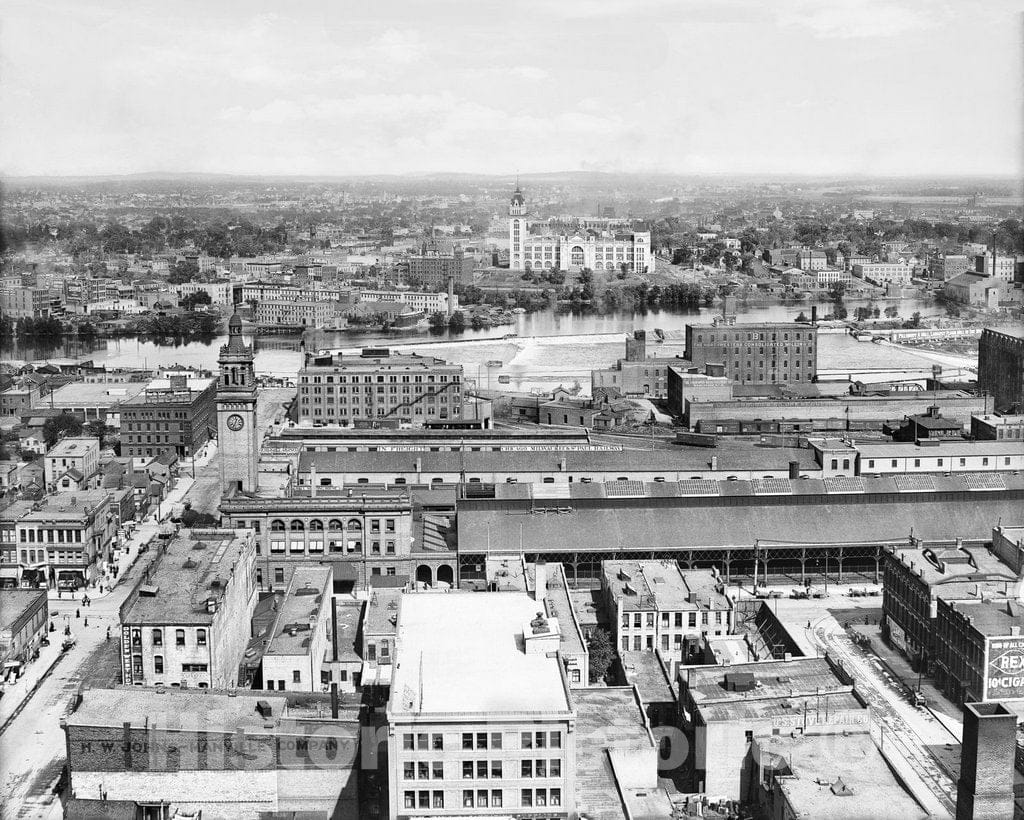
x: 540, y: 583
x: 814, y: 314
x: 334, y: 700
x: 334, y: 626
x: 451, y: 295
x: 312, y: 480
x: 714, y: 462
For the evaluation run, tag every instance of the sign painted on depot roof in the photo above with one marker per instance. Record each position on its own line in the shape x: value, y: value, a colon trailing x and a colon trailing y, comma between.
x: 1004, y: 669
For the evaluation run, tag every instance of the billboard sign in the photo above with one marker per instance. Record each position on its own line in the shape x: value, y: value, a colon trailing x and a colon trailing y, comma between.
x: 1004, y: 668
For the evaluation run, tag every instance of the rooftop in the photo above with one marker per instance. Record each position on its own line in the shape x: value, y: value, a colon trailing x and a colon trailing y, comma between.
x: 73, y: 447
x: 69, y: 507
x: 375, y: 360
x: 14, y: 603
x: 215, y: 711
x: 558, y: 604
x: 661, y: 585
x: 709, y: 522
x: 381, y: 616
x: 953, y: 572
x: 194, y: 567
x: 737, y: 458
x: 992, y: 618
x: 645, y: 671
x: 308, y: 592
x: 776, y: 688
x: 92, y: 394
x: 608, y: 719
x: 999, y: 421
x: 836, y: 778
x: 483, y: 631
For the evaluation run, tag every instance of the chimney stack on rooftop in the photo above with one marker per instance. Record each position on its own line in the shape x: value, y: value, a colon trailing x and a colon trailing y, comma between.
x: 540, y: 583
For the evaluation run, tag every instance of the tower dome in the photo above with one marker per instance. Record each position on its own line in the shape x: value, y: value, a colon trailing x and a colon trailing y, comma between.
x: 517, y: 197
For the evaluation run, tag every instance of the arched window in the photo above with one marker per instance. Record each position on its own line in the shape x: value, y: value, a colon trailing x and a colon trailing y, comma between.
x: 354, y: 524
x: 277, y: 525
x: 334, y: 525
x: 297, y: 526
x: 576, y: 256
x: 316, y: 525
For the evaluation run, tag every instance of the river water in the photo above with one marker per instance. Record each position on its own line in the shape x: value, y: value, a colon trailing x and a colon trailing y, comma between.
x: 549, y: 348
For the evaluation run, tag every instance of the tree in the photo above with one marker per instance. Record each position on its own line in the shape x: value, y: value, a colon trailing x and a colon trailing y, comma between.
x: 437, y: 320
x: 200, y: 297
x: 802, y: 317
x: 57, y: 427
x: 892, y: 312
x: 184, y: 271
x: 601, y: 654
x: 457, y: 322
x: 97, y: 428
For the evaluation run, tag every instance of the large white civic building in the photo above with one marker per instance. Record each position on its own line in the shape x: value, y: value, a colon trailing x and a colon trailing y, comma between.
x: 586, y: 248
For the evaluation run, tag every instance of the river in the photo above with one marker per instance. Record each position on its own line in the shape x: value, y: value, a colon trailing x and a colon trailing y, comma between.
x: 549, y: 348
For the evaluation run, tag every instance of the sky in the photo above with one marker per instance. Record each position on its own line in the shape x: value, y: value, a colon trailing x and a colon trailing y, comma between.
x: 335, y: 87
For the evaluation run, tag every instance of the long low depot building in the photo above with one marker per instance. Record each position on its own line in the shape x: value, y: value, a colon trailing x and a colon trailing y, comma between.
x: 789, y: 527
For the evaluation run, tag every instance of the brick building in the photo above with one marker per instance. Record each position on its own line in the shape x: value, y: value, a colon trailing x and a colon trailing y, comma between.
x: 917, y: 579
x: 155, y: 753
x: 177, y: 414
x: 433, y: 269
x: 769, y: 353
x: 378, y: 386
x: 655, y: 605
x: 1001, y: 367
x: 186, y: 622
x: 24, y: 616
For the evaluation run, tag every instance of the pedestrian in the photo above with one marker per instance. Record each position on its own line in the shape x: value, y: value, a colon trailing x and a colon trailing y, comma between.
x: 108, y: 633
x: 78, y: 613
x: 86, y: 621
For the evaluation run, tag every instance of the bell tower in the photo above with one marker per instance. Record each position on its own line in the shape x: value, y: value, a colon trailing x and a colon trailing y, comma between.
x: 237, y: 436
x: 517, y: 229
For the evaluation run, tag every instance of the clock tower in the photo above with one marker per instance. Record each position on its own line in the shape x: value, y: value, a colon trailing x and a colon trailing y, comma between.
x: 237, y: 436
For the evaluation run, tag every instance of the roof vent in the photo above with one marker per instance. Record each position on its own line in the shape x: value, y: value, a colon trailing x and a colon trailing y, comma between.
x: 840, y: 789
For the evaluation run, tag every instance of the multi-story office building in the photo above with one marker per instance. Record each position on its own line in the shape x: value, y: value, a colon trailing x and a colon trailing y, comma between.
x: 480, y: 718
x: 654, y: 605
x: 1001, y: 367
x: 297, y: 649
x: 979, y: 649
x: 434, y: 269
x: 363, y: 537
x: 71, y: 464
x: 64, y: 540
x: 379, y: 386
x: 176, y: 414
x: 220, y: 292
x: 186, y: 622
x: 769, y: 353
x: 24, y: 616
x: 596, y: 250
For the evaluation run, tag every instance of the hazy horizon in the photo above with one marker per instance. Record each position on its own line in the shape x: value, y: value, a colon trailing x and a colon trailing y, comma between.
x: 855, y: 89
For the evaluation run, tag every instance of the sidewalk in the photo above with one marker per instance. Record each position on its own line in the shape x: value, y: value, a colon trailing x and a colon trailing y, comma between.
x: 18, y: 692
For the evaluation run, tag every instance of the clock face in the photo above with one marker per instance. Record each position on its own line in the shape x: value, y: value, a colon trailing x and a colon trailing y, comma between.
x: 235, y: 422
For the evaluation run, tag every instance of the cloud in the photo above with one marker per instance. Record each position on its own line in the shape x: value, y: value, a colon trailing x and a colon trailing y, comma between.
x: 398, y: 46
x: 530, y: 72
x: 861, y: 18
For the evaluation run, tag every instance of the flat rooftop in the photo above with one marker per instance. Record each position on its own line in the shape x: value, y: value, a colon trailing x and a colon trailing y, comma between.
x: 780, y: 688
x: 662, y: 585
x: 464, y: 653
x: 992, y: 618
x: 193, y: 569
x: 954, y: 572
x: 73, y: 447
x: 839, y: 778
x: 558, y: 605
x: 308, y: 593
x: 381, y: 616
x: 92, y: 394
x: 644, y: 670
x: 607, y: 719
x: 212, y: 710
